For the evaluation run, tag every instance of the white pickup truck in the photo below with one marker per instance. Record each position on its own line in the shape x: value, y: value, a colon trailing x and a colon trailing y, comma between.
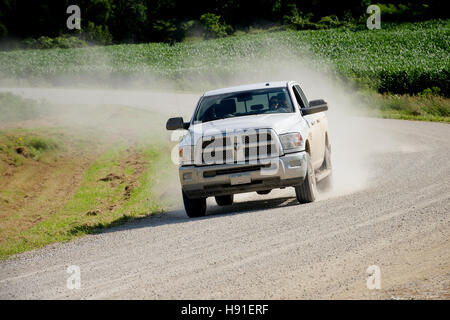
x: 251, y: 138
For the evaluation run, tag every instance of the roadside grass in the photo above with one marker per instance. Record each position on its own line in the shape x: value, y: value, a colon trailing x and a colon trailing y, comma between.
x: 98, y: 204
x: 20, y: 144
x: 143, y: 200
x: 424, y: 107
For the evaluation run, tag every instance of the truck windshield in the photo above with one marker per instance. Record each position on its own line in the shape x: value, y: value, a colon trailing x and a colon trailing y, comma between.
x: 245, y: 103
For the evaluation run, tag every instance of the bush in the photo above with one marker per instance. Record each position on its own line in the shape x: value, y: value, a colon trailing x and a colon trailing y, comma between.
x: 64, y: 42
x: 402, y: 12
x: 167, y: 31
x: 213, y: 27
x: 96, y: 34
x: 330, y: 22
x: 40, y: 144
x: 296, y: 20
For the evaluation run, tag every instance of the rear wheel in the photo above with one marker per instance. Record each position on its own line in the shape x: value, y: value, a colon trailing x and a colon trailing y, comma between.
x: 225, y: 200
x: 194, y: 207
x: 306, y: 192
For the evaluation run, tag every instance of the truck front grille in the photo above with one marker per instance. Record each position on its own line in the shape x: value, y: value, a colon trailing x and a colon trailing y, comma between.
x: 244, y: 147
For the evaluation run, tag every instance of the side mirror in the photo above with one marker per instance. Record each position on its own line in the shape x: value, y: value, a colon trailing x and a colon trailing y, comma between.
x: 315, y: 106
x: 176, y: 123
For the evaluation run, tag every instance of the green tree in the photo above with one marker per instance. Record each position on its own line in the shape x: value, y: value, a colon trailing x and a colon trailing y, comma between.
x: 97, y: 11
x: 129, y: 20
x: 213, y: 26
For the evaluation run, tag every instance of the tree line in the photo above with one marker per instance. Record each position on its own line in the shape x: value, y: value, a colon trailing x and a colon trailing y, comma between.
x: 132, y: 21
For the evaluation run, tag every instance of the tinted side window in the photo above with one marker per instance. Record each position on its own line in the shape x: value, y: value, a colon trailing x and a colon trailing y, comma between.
x: 300, y: 96
x: 297, y: 97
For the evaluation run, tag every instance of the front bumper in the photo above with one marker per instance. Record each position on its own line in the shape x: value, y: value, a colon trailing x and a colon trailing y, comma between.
x: 215, y: 180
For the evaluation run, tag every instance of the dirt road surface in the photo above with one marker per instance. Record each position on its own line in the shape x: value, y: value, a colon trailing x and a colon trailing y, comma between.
x: 396, y: 217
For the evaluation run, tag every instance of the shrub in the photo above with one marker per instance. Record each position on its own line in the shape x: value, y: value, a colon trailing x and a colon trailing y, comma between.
x: 296, y: 20
x: 213, y: 27
x: 330, y: 21
x: 64, y: 42
x: 96, y: 34
x: 167, y: 31
x: 40, y: 144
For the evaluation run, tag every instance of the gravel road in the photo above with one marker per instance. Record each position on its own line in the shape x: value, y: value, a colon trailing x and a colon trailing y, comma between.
x: 269, y: 247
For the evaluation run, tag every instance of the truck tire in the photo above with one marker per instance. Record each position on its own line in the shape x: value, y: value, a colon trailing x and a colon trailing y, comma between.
x: 225, y: 200
x: 194, y: 207
x: 306, y: 192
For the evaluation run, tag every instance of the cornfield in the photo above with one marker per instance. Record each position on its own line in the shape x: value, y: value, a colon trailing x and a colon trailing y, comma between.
x: 405, y: 58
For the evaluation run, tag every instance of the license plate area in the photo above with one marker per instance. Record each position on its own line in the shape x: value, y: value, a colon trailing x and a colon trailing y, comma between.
x: 240, y: 178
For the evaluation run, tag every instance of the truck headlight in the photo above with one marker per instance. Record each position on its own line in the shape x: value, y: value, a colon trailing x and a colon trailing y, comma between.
x: 186, y: 154
x: 291, y: 142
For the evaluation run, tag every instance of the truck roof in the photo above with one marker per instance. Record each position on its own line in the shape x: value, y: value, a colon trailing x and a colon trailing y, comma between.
x: 246, y: 87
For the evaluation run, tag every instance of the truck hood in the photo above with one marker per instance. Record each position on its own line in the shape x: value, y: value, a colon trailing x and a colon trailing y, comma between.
x: 280, y: 122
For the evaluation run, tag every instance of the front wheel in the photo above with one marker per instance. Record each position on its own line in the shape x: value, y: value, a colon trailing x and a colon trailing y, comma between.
x: 225, y: 200
x: 194, y: 207
x: 306, y: 192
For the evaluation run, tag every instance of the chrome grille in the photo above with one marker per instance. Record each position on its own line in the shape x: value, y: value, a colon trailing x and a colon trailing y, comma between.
x: 241, y: 147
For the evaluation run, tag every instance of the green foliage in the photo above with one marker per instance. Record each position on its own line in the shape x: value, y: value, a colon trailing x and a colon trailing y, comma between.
x: 162, y: 20
x: 402, y: 12
x: 98, y: 12
x: 129, y: 20
x: 36, y: 147
x: 429, y: 107
x: 41, y: 144
x: 63, y: 42
x: 213, y: 26
x: 96, y: 34
x: 330, y: 21
x: 167, y: 31
x: 296, y: 20
x: 434, y: 91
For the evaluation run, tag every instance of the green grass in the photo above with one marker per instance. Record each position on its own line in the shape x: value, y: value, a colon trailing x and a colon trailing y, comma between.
x: 426, y: 107
x: 15, y: 144
x: 74, y: 220
x: 405, y: 58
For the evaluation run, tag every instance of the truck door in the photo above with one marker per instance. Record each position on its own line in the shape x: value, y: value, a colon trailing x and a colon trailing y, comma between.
x: 314, y: 121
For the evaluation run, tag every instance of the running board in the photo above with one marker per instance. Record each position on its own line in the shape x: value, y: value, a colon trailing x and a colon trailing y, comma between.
x: 322, y: 174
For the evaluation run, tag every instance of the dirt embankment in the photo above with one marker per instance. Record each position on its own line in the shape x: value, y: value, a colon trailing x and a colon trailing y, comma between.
x: 93, y: 155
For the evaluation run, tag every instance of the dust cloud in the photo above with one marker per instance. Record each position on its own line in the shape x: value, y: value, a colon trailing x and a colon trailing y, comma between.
x: 352, y: 139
